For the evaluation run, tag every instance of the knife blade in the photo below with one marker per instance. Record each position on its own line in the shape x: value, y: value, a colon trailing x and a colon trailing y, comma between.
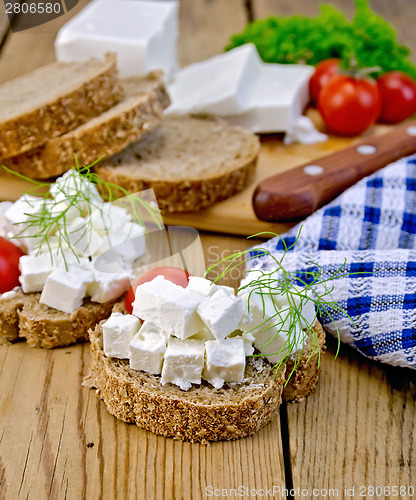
x: 297, y: 193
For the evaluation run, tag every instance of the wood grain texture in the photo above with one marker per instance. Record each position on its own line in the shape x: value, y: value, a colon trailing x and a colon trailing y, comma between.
x: 356, y: 430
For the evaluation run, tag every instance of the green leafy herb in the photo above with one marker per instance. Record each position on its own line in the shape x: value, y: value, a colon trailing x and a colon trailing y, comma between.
x: 51, y: 216
x: 280, y: 282
x: 301, y: 39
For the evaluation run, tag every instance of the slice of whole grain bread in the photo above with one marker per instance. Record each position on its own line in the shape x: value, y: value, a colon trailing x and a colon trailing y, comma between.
x: 138, y: 112
x: 53, y: 100
x: 190, y: 162
x: 23, y: 316
x: 202, y: 413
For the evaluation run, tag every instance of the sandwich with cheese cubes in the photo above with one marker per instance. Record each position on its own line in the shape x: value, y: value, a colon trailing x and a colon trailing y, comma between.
x: 201, y: 363
x: 61, y: 292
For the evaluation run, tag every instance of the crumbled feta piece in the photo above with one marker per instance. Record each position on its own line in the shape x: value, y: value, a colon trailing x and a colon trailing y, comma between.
x: 225, y: 361
x: 64, y: 290
x: 273, y: 339
x: 169, y: 306
x: 207, y: 287
x: 11, y: 294
x: 83, y: 238
x: 108, y: 286
x: 118, y: 332
x: 109, y: 218
x: 183, y: 363
x: 147, y: 349
x: 304, y: 305
x: 73, y: 187
x: 221, y: 313
x: 34, y: 271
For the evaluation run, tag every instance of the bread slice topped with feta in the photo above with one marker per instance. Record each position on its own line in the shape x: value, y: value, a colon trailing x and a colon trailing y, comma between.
x: 140, y: 109
x: 197, y: 363
x: 62, y: 291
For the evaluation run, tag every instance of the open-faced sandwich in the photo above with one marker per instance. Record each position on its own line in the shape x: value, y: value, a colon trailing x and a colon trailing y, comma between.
x: 60, y: 292
x: 195, y: 361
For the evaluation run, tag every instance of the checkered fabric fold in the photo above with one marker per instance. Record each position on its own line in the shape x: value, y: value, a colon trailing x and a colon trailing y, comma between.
x: 371, y: 226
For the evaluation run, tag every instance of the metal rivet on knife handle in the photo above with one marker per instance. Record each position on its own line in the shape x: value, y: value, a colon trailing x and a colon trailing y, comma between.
x: 295, y: 194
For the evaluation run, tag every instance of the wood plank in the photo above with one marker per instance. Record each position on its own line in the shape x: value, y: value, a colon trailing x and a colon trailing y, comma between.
x: 57, y: 440
x: 206, y: 26
x: 356, y: 430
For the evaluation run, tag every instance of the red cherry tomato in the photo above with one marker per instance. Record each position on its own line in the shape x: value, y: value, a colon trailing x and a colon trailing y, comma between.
x: 173, y: 274
x: 398, y: 97
x: 324, y: 71
x: 349, y: 105
x: 9, y: 265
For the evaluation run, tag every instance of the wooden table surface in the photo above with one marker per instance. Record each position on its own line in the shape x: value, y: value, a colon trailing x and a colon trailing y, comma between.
x: 58, y: 441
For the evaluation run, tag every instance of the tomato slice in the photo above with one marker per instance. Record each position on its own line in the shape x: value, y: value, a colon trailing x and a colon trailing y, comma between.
x: 9, y: 265
x: 173, y: 274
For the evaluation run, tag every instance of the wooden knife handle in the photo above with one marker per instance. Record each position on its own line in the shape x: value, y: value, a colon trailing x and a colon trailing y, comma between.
x: 293, y: 195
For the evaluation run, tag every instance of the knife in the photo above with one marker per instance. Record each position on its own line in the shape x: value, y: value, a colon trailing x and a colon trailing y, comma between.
x: 293, y: 195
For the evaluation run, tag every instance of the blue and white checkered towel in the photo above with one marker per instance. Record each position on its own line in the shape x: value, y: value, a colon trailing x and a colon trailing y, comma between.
x: 373, y: 226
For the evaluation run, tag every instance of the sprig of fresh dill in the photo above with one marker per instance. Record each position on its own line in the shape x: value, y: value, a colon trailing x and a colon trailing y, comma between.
x: 301, y: 39
x: 281, y: 282
x: 50, y: 219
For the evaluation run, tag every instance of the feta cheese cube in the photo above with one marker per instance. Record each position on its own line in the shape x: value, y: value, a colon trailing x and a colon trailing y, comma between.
x: 207, y: 287
x: 108, y: 286
x: 118, y: 331
x: 183, y: 363
x: 142, y: 34
x: 64, y: 290
x: 83, y: 238
x: 259, y: 309
x: 170, y: 307
x: 221, y: 313
x: 225, y: 361
x: 35, y: 271
x: 147, y: 349
x: 204, y: 334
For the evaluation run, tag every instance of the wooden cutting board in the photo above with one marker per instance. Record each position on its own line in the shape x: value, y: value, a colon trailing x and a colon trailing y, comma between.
x: 236, y: 215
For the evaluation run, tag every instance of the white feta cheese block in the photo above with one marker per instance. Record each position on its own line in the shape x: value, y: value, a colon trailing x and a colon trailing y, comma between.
x: 300, y: 304
x: 109, y: 218
x: 108, y: 286
x: 284, y: 337
x: 221, y: 313
x: 206, y: 287
x: 118, y: 332
x: 83, y: 238
x: 278, y: 99
x: 183, y: 362
x: 35, y: 271
x: 143, y: 34
x: 4, y: 229
x: 147, y: 349
x: 170, y: 307
x: 225, y: 361
x: 248, y: 339
x: 129, y: 242
x: 64, y: 290
x: 221, y: 85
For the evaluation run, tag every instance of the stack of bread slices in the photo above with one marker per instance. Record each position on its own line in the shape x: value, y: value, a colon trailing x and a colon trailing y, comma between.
x: 82, y: 108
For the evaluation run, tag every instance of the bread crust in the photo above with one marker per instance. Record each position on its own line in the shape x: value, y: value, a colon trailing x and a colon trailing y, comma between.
x: 25, y: 317
x: 199, y: 415
x: 192, y: 194
x: 90, y: 142
x: 304, y: 378
x: 63, y: 114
